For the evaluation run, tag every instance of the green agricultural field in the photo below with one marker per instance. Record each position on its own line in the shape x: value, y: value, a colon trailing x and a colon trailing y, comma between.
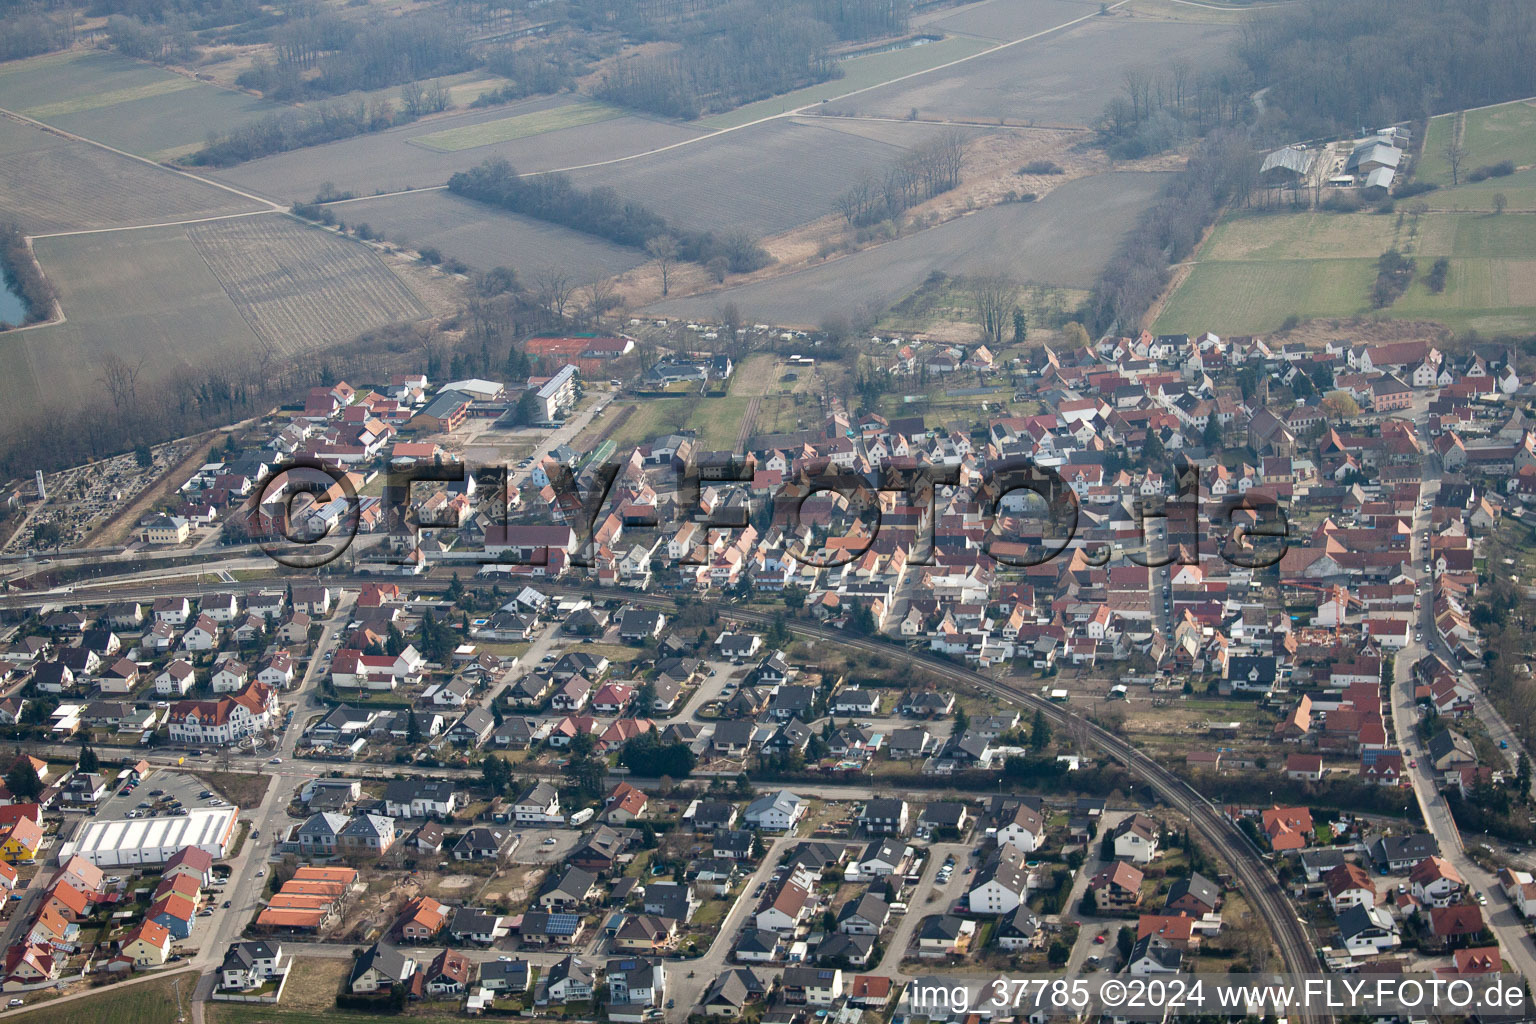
x: 1493, y: 135
x: 148, y: 1002
x: 1254, y: 296
x: 123, y: 103
x: 1255, y: 271
x: 858, y: 73
x: 520, y: 126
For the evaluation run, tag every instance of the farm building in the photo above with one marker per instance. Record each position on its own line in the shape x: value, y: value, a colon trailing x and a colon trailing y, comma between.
x: 1372, y: 154
x: 1286, y: 166
x: 1378, y: 184
x: 122, y: 842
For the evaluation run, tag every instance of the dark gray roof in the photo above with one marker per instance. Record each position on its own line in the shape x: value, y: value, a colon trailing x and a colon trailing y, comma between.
x: 1198, y: 886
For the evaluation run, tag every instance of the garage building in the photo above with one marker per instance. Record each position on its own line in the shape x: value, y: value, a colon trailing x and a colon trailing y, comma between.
x: 128, y: 842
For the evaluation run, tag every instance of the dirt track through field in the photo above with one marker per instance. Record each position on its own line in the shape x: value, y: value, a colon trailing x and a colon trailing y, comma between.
x: 747, y: 419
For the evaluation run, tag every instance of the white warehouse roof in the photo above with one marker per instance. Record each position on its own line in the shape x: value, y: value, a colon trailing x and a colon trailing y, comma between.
x: 126, y: 841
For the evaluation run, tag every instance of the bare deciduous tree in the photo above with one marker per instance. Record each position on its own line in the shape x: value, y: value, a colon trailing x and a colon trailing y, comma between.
x: 994, y: 296
x: 599, y: 297
x: 1456, y: 150
x: 121, y: 379
x: 413, y: 98
x: 663, y: 249
x: 554, y: 290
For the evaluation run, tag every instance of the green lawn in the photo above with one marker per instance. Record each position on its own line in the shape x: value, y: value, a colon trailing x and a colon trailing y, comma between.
x: 652, y: 417
x: 148, y: 1002
x: 718, y: 420
x: 858, y: 73
x: 519, y: 126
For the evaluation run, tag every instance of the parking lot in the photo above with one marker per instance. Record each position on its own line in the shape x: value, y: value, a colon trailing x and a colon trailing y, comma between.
x: 535, y: 848
x: 161, y: 794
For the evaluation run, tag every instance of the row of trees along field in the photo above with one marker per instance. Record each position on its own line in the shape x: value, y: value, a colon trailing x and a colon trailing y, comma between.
x: 1223, y: 169
x: 1325, y: 68
x: 352, y: 57
x: 326, y: 121
x: 22, y: 275
x: 921, y: 173
x: 27, y: 30
x: 602, y: 212
x: 730, y: 55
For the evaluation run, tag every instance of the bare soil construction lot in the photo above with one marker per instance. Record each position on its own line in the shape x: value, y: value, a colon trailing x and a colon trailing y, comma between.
x: 390, y: 162
x: 55, y: 184
x: 1062, y: 78
x: 1064, y: 239
x: 484, y: 237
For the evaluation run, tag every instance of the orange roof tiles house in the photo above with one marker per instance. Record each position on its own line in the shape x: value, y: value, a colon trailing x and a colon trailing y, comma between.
x: 423, y: 918
x: 1288, y: 828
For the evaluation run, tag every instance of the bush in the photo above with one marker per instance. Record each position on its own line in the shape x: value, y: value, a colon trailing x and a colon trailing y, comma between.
x: 1343, y: 202
x: 1041, y: 167
x: 601, y: 212
x: 1435, y: 279
x: 1416, y: 188
x: 1502, y: 169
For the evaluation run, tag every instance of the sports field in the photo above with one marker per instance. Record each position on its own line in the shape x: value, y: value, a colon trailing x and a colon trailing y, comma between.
x: 519, y: 126
x: 1257, y: 270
